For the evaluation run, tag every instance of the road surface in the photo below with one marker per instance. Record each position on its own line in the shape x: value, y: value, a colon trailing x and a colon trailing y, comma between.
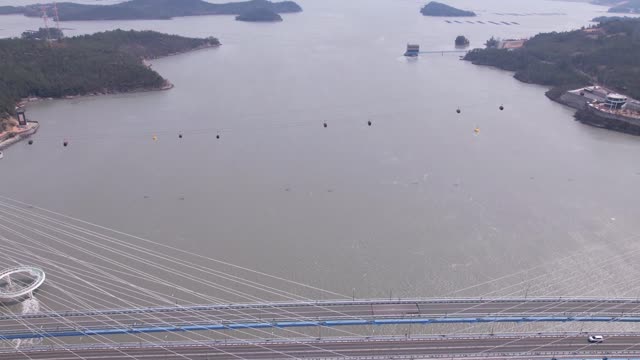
x: 498, y: 346
x: 312, y: 311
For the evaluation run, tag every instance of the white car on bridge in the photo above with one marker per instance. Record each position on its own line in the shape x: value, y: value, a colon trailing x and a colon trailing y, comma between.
x: 596, y: 338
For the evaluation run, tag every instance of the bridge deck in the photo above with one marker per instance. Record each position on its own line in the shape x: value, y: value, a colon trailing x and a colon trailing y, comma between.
x: 488, y: 347
x: 327, y: 313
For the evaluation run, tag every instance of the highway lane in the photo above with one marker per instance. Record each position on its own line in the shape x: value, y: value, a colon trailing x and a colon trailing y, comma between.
x: 384, y: 347
x: 336, y: 310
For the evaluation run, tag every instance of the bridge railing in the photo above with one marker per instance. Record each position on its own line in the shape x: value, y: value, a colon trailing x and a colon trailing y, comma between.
x: 316, y: 341
x: 326, y: 303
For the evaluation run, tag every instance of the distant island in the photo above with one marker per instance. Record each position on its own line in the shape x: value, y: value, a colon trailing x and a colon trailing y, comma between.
x: 628, y: 6
x: 102, y: 63
x: 601, y: 19
x: 604, y: 54
x: 439, y: 9
x: 150, y: 9
x: 618, y: 6
x: 461, y: 41
x: 259, y: 15
x: 607, y: 53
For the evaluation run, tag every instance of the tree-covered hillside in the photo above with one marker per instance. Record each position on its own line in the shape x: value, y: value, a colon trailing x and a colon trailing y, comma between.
x: 259, y: 15
x: 629, y: 6
x: 608, y: 54
x: 150, y: 9
x: 100, y: 63
x: 435, y: 8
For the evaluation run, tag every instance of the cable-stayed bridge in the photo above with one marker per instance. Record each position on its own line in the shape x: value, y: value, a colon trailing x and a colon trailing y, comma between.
x: 111, y: 295
x: 377, y: 312
x: 529, y: 346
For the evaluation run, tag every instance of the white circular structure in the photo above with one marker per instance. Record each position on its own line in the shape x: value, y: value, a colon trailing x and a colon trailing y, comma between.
x: 20, y: 281
x: 616, y: 101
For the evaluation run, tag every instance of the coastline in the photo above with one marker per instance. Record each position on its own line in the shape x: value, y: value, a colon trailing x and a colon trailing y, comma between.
x: 19, y: 136
x: 25, y: 101
x: 201, y: 47
x: 585, y: 117
x: 14, y: 137
x: 589, y: 116
x: 144, y: 61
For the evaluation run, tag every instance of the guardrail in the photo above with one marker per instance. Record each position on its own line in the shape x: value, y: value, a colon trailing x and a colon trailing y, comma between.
x: 106, y: 331
x: 324, y: 303
x: 408, y: 318
x: 593, y: 353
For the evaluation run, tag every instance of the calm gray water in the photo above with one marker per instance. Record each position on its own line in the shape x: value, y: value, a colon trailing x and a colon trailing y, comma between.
x: 416, y: 204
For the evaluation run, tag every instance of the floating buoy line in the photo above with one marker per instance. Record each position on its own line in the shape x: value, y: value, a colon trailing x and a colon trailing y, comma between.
x: 181, y: 134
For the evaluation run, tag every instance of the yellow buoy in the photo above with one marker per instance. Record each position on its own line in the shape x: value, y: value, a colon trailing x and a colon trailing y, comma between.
x: 476, y: 131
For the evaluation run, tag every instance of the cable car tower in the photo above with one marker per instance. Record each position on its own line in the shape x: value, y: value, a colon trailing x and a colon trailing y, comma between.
x: 45, y: 18
x: 57, y: 19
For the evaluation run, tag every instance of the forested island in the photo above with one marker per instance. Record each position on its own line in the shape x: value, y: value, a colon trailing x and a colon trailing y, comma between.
x: 601, y: 19
x: 260, y: 15
x: 106, y: 62
x: 461, y: 41
x: 604, y: 54
x: 617, y: 6
x: 435, y: 8
x: 150, y: 9
x: 621, y: 6
x: 632, y: 6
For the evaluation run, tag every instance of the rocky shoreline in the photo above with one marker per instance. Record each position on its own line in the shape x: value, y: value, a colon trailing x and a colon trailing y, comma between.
x: 583, y: 115
x: 594, y: 118
x: 24, y: 102
x: 17, y: 137
x: 201, y: 47
x: 13, y: 137
x: 166, y: 86
x: 607, y: 121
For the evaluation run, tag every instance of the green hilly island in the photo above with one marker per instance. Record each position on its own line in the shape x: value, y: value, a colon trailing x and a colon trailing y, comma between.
x: 621, y: 6
x: 435, y: 8
x: 150, y: 9
x: 106, y: 62
x: 259, y: 15
x: 605, y: 54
